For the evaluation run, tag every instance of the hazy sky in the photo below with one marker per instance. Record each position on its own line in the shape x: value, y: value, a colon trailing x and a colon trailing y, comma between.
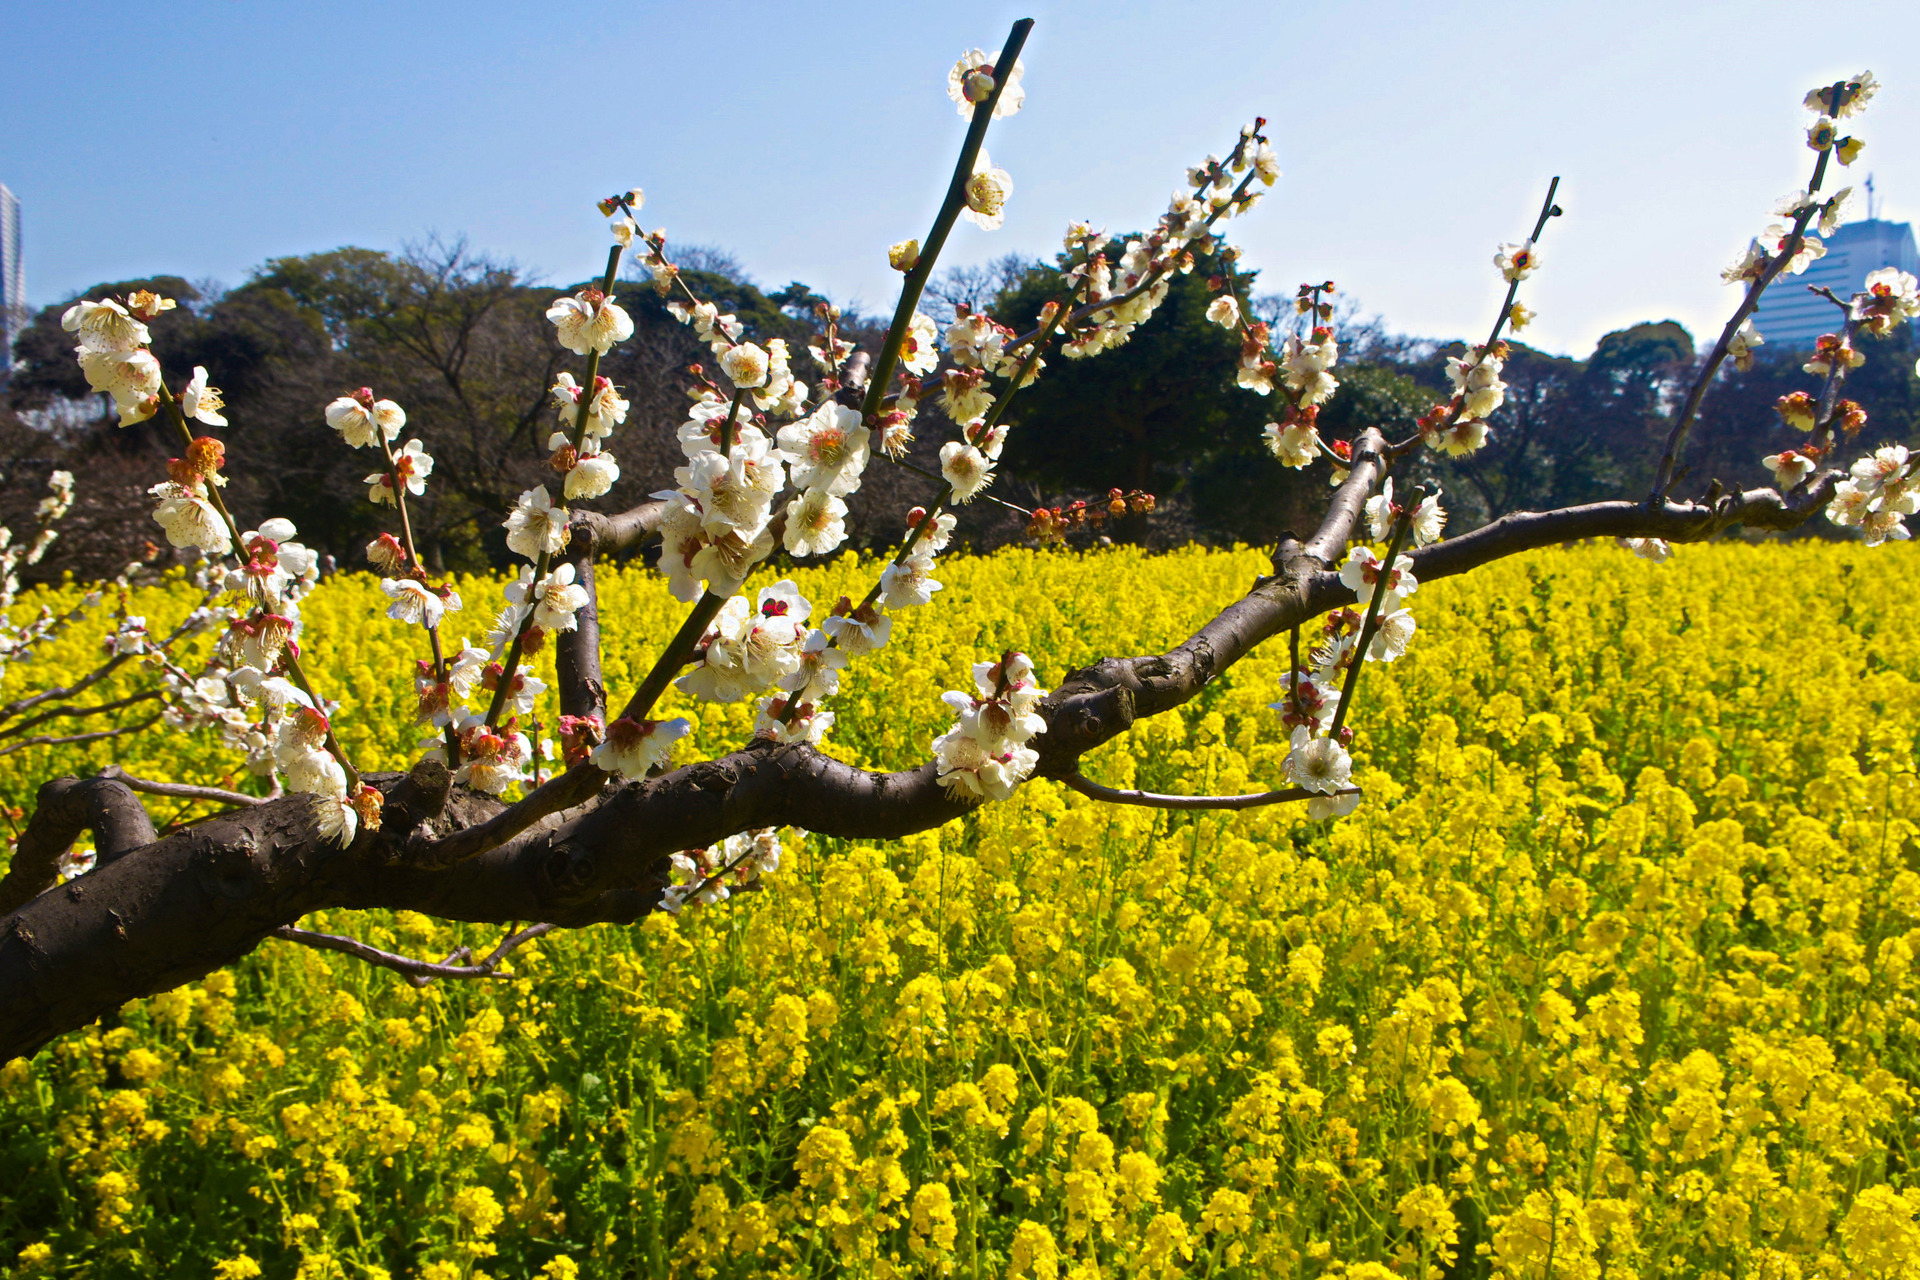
x: 202, y: 138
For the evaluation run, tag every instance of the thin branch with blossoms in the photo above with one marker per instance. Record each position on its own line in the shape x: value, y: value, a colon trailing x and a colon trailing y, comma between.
x: 518, y: 645
x: 1763, y: 269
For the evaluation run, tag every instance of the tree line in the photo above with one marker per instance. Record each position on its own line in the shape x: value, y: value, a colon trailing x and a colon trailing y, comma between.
x: 460, y: 340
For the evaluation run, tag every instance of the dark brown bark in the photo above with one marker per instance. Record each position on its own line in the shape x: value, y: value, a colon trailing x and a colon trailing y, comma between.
x: 64, y: 808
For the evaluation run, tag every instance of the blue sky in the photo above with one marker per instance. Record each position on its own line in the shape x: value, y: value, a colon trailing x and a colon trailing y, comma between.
x: 202, y: 138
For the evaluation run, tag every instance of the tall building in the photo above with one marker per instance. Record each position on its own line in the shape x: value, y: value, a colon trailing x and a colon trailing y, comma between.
x: 13, y: 281
x: 1789, y: 316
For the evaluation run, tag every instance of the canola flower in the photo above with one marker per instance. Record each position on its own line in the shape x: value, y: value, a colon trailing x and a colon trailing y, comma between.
x: 1611, y: 972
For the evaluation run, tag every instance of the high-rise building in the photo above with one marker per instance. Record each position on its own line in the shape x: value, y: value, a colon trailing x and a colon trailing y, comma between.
x: 13, y: 280
x: 1789, y: 316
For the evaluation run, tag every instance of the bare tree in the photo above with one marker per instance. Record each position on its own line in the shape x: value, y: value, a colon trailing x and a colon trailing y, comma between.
x: 621, y: 833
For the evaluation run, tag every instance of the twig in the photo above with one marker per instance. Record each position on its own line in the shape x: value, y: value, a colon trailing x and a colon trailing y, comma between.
x: 179, y: 790
x: 55, y: 713
x: 418, y: 973
x: 1148, y: 799
x: 62, y: 740
x: 934, y: 475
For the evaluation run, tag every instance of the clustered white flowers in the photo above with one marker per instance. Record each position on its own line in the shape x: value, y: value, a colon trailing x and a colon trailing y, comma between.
x: 18, y: 638
x: 985, y: 755
x: 1879, y: 490
x: 245, y: 690
x: 710, y: 875
x: 1317, y: 760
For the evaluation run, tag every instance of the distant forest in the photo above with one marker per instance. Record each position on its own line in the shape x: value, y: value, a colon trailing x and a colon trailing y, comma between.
x: 460, y: 341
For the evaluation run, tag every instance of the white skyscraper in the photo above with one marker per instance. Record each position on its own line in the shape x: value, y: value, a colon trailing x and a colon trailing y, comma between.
x: 13, y: 280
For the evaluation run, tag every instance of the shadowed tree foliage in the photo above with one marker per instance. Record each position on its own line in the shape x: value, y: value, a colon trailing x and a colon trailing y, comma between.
x: 460, y: 340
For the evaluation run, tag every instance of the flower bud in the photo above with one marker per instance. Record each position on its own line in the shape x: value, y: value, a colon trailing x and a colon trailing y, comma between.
x: 366, y: 805
x: 903, y: 256
x: 532, y: 640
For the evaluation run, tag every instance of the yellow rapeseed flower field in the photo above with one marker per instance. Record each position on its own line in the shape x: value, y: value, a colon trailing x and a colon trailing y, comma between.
x: 1611, y: 974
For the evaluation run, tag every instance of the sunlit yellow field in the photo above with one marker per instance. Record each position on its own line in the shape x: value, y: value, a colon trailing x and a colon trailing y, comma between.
x: 1610, y: 975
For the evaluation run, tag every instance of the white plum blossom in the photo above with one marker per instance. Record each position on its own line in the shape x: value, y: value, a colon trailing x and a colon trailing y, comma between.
x: 1476, y: 378
x: 535, y: 526
x: 105, y: 326
x: 415, y: 602
x: 827, y: 450
x: 465, y: 670
x: 1393, y: 632
x: 491, y: 759
x: 589, y: 321
x: 1789, y: 468
x: 132, y: 378
x: 1363, y: 573
x: 1225, y: 311
x: 635, y: 748
x: 1305, y: 365
x: 966, y: 469
x: 920, y: 347
x: 970, y: 83
x: 908, y: 582
x: 1654, y: 549
x: 189, y: 519
x: 1295, y: 444
x: 414, y: 465
x: 1317, y: 763
x: 1517, y: 261
x: 816, y: 524
x: 605, y: 410
x: 859, y: 631
x: 1740, y: 346
x: 201, y: 402
x: 745, y: 364
x: 1429, y: 518
x: 363, y: 421
x: 985, y: 755
x: 558, y: 600
x: 333, y: 810
x: 593, y: 476
x: 733, y: 492
x: 987, y: 192
x: 1880, y: 490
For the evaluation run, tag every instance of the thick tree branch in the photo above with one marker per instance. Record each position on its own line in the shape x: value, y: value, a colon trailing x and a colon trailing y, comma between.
x: 64, y: 808
x: 1672, y: 521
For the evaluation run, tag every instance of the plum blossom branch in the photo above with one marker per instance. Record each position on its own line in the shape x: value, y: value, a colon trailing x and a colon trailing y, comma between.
x: 1763, y: 269
x: 1383, y: 587
x: 928, y: 253
x: 590, y: 389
